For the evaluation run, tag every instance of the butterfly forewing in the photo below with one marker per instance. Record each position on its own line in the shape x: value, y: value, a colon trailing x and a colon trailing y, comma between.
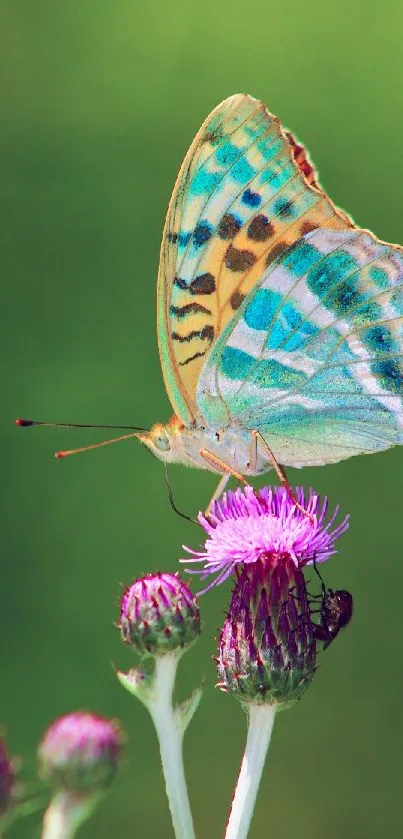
x: 246, y: 192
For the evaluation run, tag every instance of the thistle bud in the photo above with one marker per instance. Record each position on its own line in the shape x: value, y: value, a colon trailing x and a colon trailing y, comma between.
x: 7, y: 780
x: 267, y: 649
x: 159, y: 615
x: 79, y: 753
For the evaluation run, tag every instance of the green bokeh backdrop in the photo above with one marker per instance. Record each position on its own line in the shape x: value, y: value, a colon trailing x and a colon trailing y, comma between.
x: 99, y: 102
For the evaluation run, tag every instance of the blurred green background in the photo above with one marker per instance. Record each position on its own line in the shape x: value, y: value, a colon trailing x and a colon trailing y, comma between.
x: 99, y: 102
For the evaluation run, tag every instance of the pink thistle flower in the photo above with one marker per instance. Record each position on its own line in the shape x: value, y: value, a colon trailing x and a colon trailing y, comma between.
x: 80, y: 752
x: 267, y: 647
x: 159, y: 615
x: 247, y: 525
x: 7, y: 779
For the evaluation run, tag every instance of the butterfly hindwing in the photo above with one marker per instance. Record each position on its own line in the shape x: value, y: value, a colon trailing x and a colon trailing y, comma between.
x: 246, y: 191
x: 315, y: 359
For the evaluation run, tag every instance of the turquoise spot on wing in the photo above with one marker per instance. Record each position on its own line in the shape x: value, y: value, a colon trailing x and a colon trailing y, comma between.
x: 289, y: 331
x: 390, y: 375
x: 271, y: 374
x: 379, y: 339
x: 236, y: 364
x: 300, y: 337
x: 262, y: 308
x: 270, y: 148
x: 184, y: 239
x: 227, y: 154
x: 284, y: 208
x: 333, y: 268
x: 325, y: 343
x: 202, y: 233
x: 278, y: 335
x: 301, y: 258
x: 277, y: 179
x: 379, y: 277
x: 204, y: 182
x: 291, y: 316
x: 397, y: 301
x: 333, y: 385
x: 368, y: 313
x: 344, y: 297
x: 242, y: 171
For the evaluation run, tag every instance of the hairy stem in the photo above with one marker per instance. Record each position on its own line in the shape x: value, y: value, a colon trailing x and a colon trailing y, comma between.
x: 170, y: 737
x: 261, y: 719
x: 65, y: 814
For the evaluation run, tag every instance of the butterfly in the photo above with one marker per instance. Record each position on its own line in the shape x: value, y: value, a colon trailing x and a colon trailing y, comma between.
x: 280, y: 323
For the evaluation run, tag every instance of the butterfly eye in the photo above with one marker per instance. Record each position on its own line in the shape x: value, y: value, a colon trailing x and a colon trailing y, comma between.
x: 162, y: 442
x: 160, y: 438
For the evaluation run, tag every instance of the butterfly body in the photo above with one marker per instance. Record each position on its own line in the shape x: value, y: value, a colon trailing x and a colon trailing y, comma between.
x: 277, y: 316
x: 176, y: 443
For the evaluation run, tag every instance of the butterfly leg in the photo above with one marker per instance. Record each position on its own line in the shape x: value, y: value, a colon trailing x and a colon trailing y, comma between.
x: 219, y: 490
x: 279, y: 470
x: 220, y: 465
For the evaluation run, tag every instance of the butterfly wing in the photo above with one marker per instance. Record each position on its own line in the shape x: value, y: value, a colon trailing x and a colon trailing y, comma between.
x: 245, y: 192
x: 315, y: 359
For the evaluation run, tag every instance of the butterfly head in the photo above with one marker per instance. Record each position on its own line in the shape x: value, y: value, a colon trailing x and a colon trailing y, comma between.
x: 165, y: 441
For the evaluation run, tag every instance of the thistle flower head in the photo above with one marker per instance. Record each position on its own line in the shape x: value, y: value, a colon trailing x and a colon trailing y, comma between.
x: 246, y: 526
x: 7, y: 779
x: 79, y: 753
x: 159, y: 615
x: 267, y: 648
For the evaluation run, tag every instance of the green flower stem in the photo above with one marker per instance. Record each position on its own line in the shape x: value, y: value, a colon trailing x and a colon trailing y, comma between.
x: 170, y: 736
x: 65, y: 814
x: 260, y: 726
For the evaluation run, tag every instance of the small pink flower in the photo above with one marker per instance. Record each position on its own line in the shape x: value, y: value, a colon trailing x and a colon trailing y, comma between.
x: 80, y: 752
x: 159, y: 614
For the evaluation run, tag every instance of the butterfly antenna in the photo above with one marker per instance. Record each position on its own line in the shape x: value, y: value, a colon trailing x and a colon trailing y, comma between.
x: 25, y: 423
x: 171, y: 499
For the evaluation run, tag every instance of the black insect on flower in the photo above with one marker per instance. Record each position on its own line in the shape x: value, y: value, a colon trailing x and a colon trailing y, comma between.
x: 335, y: 612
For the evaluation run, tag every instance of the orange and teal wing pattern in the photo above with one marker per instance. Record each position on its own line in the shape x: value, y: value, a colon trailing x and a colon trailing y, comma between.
x: 246, y: 191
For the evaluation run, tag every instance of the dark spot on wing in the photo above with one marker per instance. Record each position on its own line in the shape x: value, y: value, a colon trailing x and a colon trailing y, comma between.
x: 214, y: 137
x: 307, y: 227
x: 205, y: 334
x: 390, y: 375
x: 189, y: 309
x: 284, y: 208
x: 228, y: 226
x: 182, y: 284
x: 260, y: 229
x: 276, y: 251
x: 236, y: 300
x: 251, y: 199
x: 237, y: 260
x: 192, y: 358
x: 184, y: 239
x: 203, y: 284
x: 202, y: 233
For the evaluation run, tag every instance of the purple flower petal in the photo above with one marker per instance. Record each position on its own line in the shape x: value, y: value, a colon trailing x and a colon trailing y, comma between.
x: 247, y: 525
